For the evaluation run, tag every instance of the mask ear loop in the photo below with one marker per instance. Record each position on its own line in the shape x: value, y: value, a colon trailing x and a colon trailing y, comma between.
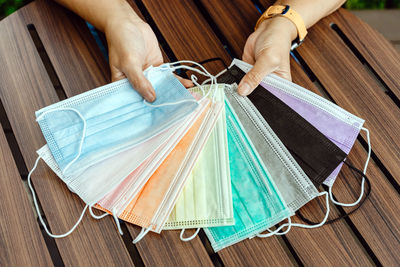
x: 348, y: 213
x: 363, y: 179
x: 173, y: 68
x: 83, y: 131
x: 98, y: 217
x: 187, y: 239
x: 317, y: 224
x: 66, y: 167
x: 142, y: 233
x: 276, y: 231
x: 38, y: 211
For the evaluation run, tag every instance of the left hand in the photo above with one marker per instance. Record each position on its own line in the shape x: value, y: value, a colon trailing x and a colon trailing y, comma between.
x: 268, y: 49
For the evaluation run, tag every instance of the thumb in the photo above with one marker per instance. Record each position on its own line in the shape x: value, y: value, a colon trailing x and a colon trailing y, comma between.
x: 265, y: 64
x: 140, y: 83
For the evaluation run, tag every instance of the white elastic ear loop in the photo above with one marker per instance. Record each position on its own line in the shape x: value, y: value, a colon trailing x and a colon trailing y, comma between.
x: 276, y: 231
x: 315, y: 225
x: 114, y: 213
x: 83, y: 131
x: 98, y: 217
x: 362, y: 181
x: 205, y: 73
x: 186, y: 239
x: 142, y: 233
x: 38, y: 211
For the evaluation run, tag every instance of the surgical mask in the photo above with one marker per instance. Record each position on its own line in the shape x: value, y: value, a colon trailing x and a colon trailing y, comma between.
x: 339, y: 125
x: 119, y: 198
x: 206, y: 200
x: 338, y: 113
x: 98, y: 124
x: 257, y: 202
x: 314, y: 152
x: 151, y: 207
x: 88, y: 128
x: 293, y: 184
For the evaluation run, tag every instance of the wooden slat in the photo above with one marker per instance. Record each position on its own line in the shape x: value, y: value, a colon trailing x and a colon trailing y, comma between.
x: 25, y: 88
x: 326, y: 241
x: 93, y: 72
x: 166, y: 249
x: 190, y: 37
x: 241, y: 18
x: 377, y: 51
x: 377, y: 219
x: 354, y: 88
x: 186, y: 32
x: 21, y: 241
x: 76, y: 58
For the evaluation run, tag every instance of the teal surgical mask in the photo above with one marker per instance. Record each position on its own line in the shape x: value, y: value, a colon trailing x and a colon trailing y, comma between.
x: 294, y: 185
x: 206, y: 200
x: 257, y: 203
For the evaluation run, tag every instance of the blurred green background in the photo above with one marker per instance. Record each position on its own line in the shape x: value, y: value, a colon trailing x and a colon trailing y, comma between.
x: 9, y: 6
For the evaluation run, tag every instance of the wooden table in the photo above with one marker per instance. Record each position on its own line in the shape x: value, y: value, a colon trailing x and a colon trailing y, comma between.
x: 48, y: 54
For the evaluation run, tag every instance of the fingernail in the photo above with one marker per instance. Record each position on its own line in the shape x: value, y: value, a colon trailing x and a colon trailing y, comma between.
x: 244, y: 89
x: 150, y: 96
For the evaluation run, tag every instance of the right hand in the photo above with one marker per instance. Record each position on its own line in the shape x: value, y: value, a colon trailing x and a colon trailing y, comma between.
x: 133, y: 47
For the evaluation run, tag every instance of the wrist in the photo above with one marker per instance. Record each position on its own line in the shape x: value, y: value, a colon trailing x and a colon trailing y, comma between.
x: 280, y: 25
x: 122, y: 14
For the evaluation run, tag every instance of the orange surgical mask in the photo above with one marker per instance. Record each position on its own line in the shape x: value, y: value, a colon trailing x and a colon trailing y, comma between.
x: 145, y: 206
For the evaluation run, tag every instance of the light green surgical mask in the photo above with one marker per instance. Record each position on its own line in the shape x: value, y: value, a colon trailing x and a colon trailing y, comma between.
x: 257, y: 203
x: 206, y: 199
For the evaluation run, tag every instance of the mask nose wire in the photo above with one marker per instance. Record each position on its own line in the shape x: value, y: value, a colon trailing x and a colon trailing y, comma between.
x: 83, y: 131
x: 363, y: 179
x: 186, y: 239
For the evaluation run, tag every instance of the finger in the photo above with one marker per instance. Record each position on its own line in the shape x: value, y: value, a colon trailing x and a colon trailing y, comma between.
x: 265, y: 64
x: 116, y: 74
x: 140, y: 83
x: 185, y: 82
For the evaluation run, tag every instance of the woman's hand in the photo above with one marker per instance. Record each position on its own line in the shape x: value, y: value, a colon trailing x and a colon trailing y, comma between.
x: 133, y: 47
x: 268, y: 49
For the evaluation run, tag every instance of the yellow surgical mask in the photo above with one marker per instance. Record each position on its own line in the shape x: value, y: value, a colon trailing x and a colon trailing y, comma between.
x: 206, y: 200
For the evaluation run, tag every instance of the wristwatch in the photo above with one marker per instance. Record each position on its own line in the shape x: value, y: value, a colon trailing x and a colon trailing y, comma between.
x: 292, y: 15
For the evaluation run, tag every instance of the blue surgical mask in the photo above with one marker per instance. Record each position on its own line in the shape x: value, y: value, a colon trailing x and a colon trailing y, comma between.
x: 257, y: 203
x: 111, y: 119
x: 89, y: 128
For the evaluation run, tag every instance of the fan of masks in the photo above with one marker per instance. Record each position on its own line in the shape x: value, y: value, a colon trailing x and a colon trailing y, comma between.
x: 238, y: 167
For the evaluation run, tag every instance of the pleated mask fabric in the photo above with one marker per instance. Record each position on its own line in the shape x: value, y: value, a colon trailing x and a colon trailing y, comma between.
x: 152, y: 206
x: 118, y: 199
x: 314, y: 152
x: 257, y: 203
x: 141, y: 212
x: 293, y: 184
x: 339, y: 125
x: 125, y: 164
x: 207, y: 197
x: 88, y: 128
